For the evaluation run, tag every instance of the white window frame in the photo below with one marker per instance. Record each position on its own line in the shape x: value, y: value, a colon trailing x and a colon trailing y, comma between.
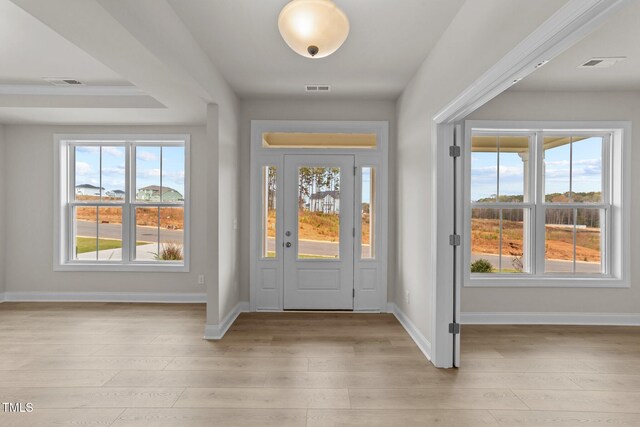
x: 616, y: 201
x: 64, y: 203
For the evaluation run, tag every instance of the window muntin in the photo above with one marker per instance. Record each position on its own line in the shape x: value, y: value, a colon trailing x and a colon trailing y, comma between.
x: 567, y: 194
x: 104, y: 223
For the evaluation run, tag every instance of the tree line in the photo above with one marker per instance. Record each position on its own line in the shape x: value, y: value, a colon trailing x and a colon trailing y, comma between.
x: 561, y: 216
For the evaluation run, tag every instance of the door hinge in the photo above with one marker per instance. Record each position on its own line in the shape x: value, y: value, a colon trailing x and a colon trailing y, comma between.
x: 454, y: 239
x: 355, y: 168
x: 354, y: 232
x: 454, y: 328
x: 354, y: 292
x: 454, y: 151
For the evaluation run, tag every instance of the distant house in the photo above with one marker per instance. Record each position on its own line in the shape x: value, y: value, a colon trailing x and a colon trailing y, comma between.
x: 115, y: 194
x: 88, y: 190
x: 325, y: 202
x: 152, y: 194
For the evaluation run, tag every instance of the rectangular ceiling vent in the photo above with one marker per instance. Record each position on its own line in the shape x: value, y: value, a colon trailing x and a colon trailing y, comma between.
x: 317, y: 88
x: 602, y: 62
x: 63, y: 82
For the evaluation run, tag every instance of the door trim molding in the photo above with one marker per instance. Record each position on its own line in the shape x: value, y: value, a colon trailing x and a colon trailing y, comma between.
x: 372, y: 297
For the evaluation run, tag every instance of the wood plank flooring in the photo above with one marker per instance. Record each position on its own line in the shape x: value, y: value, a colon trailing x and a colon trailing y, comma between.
x: 104, y: 364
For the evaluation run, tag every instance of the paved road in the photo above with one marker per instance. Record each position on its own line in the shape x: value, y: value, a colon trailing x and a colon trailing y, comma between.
x: 557, y: 266
x: 114, y: 231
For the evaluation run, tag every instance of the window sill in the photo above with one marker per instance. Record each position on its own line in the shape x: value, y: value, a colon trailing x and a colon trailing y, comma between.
x: 545, y: 282
x: 103, y: 267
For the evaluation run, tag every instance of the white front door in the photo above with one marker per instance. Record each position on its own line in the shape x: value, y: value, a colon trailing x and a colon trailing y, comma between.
x: 318, y: 235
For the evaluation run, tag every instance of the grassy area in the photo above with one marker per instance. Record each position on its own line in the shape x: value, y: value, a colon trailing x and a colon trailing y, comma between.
x: 88, y: 244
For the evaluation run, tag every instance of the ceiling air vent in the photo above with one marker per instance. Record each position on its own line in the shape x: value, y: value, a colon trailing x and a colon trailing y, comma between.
x: 602, y: 62
x: 63, y: 82
x: 317, y: 88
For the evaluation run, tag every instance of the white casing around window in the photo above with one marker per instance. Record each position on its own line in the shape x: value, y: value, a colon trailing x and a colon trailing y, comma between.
x: 63, y: 180
x: 616, y: 200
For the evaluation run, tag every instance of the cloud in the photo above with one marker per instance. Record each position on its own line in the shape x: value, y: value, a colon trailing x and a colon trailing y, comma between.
x: 114, y: 151
x: 147, y: 156
x: 87, y: 149
x: 83, y: 168
x: 174, y: 176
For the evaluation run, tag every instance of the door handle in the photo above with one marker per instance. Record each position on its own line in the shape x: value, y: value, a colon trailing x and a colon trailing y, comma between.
x: 288, y: 244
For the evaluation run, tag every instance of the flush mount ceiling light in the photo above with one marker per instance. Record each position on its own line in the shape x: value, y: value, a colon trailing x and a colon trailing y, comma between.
x: 313, y: 28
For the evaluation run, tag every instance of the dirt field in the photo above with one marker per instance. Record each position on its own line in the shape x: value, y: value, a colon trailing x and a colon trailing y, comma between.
x: 170, y: 218
x: 559, y: 245
x: 318, y: 226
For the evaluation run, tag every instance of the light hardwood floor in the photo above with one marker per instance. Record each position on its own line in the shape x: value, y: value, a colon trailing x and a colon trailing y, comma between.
x: 147, y: 365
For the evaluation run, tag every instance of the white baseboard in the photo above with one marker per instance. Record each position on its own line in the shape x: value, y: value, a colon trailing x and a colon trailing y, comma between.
x: 216, y: 332
x: 594, y: 319
x: 421, y: 341
x: 104, y: 297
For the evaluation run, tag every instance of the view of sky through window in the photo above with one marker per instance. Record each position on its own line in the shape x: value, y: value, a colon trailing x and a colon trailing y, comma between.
x: 586, y: 173
x: 113, y: 167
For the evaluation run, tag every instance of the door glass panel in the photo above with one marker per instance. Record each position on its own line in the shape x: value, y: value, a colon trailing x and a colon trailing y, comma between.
x: 318, y: 213
x: 367, y: 214
x: 269, y: 212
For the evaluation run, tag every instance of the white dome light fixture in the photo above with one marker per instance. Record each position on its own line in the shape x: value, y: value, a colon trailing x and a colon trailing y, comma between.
x: 313, y: 28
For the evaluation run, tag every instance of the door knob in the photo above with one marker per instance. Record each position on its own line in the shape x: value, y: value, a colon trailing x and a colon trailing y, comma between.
x: 288, y: 244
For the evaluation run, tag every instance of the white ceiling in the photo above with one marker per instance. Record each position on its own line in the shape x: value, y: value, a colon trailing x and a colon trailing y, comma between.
x: 619, y: 36
x: 388, y: 40
x: 29, y: 51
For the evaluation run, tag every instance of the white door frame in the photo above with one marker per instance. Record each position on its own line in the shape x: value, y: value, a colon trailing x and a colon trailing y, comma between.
x: 267, y: 274
x: 570, y: 24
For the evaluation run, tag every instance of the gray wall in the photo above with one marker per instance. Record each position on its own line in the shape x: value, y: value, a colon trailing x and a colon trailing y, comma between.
x: 306, y: 109
x: 567, y: 106
x: 29, y: 160
x: 3, y: 208
x: 229, y: 173
x: 473, y: 42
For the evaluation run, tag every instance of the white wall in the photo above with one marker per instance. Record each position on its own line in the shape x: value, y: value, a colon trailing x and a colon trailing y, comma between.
x: 306, y: 109
x: 29, y: 160
x: 513, y: 105
x: 3, y: 208
x: 479, y: 35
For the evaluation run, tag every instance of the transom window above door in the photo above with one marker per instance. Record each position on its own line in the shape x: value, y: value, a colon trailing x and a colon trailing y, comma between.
x: 544, y: 205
